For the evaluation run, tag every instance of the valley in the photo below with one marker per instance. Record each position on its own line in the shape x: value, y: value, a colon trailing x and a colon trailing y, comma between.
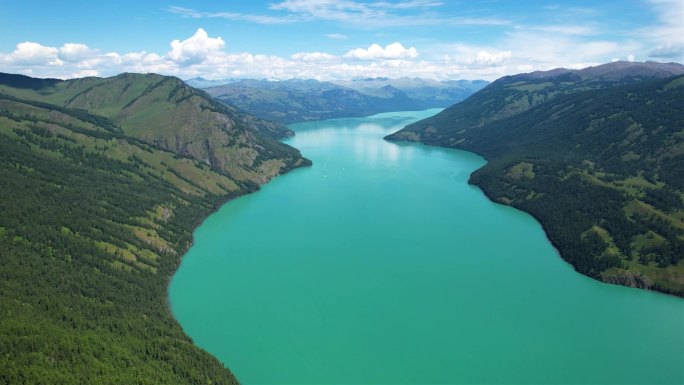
x: 106, y: 180
x: 351, y: 192
x: 381, y: 264
x: 299, y: 100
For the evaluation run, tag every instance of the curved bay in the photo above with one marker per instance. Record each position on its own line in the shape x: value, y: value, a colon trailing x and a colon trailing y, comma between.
x: 380, y: 264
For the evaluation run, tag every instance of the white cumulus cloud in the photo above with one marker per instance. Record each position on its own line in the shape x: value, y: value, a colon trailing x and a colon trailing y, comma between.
x: 523, y: 50
x: 485, y: 57
x: 670, y: 51
x: 29, y: 53
x: 375, y: 51
x: 85, y: 73
x: 73, y: 52
x: 196, y: 48
x: 313, y: 56
x: 667, y: 34
x: 670, y: 29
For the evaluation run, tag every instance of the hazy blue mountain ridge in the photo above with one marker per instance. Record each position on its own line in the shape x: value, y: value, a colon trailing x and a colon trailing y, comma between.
x: 298, y: 100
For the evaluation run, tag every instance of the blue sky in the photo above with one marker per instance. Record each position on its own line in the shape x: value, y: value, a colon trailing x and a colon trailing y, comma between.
x: 326, y: 39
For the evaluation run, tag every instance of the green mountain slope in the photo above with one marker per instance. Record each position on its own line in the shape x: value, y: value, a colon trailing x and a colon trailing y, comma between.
x: 101, y: 193
x: 430, y: 93
x: 512, y: 95
x: 165, y: 112
x: 299, y: 100
x: 600, y: 169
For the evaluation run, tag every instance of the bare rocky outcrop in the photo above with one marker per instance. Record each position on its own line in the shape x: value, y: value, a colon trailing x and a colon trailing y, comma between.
x: 629, y: 279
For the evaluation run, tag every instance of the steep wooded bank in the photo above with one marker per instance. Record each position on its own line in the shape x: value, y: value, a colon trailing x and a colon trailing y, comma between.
x: 103, y: 182
x: 595, y: 155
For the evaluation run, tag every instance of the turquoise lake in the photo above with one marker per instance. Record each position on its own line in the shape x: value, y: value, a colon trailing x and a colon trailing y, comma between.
x: 381, y: 265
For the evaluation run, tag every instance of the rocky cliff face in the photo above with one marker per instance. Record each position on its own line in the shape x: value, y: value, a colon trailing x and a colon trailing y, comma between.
x: 630, y: 280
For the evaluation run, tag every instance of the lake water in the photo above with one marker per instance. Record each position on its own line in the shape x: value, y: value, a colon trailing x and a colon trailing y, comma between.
x: 381, y: 265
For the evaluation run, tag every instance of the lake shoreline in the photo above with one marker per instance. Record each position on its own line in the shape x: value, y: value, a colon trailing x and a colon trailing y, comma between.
x: 183, y: 252
x: 266, y: 285
x: 492, y: 198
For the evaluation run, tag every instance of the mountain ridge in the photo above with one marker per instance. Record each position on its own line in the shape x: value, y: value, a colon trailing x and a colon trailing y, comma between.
x: 511, y: 95
x: 142, y: 104
x: 597, y: 166
x: 297, y: 100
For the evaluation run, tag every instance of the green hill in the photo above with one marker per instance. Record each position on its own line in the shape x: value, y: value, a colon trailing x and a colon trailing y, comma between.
x: 512, y: 95
x: 165, y: 112
x: 599, y: 164
x: 298, y: 100
x: 103, y: 182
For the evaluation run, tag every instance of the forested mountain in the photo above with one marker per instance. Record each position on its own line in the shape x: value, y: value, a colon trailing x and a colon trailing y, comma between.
x: 596, y: 155
x: 299, y: 100
x: 102, y: 184
x: 431, y: 93
x: 512, y: 95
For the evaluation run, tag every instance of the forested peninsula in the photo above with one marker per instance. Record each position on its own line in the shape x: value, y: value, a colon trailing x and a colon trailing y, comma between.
x: 596, y: 155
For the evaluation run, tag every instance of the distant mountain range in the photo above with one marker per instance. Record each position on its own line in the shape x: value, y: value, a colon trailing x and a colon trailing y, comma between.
x: 597, y: 155
x: 200, y: 82
x: 103, y: 182
x: 298, y: 100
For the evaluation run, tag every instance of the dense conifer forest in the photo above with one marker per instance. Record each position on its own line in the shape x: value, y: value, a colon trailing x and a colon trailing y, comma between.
x: 93, y: 223
x: 601, y: 168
